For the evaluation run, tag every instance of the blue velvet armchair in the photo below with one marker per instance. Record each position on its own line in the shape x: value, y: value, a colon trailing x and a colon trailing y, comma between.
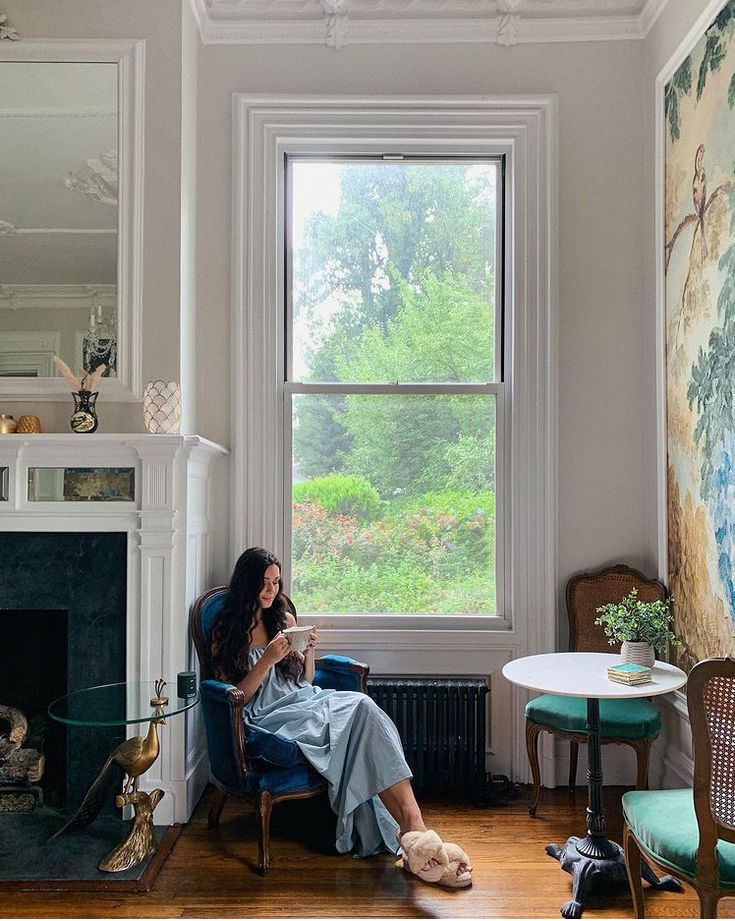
x: 252, y: 764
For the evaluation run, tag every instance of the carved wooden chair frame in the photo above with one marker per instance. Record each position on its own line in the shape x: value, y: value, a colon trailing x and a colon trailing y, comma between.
x: 710, y: 687
x: 649, y: 590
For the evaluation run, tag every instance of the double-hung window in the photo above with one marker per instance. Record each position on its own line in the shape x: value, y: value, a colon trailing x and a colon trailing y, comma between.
x: 394, y: 394
x: 393, y: 383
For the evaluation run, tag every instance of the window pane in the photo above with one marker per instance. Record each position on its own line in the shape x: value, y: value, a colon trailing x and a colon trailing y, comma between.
x: 393, y: 503
x: 393, y: 271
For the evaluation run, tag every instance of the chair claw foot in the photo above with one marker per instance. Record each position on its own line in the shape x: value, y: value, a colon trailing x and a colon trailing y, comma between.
x: 571, y: 909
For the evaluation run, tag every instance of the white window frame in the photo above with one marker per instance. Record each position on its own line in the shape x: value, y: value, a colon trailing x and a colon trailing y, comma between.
x: 522, y: 130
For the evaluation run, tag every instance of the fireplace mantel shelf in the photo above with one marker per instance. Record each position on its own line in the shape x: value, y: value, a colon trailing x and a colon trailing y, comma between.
x: 167, y: 524
x: 109, y: 438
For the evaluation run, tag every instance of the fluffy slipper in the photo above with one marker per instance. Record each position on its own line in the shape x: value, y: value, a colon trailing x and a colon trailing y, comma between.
x: 419, y: 847
x: 452, y: 877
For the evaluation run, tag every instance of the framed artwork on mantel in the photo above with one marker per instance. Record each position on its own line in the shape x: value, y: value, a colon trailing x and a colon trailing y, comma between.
x: 698, y: 262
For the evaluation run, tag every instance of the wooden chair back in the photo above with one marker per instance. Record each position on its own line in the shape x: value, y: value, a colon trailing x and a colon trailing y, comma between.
x: 711, y: 704
x: 590, y: 590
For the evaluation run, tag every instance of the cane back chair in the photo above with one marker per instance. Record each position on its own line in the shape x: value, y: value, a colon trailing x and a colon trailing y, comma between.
x: 634, y: 722
x: 261, y: 767
x: 692, y: 832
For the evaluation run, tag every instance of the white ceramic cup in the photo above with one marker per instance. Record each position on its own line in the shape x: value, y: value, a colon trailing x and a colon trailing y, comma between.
x: 298, y: 637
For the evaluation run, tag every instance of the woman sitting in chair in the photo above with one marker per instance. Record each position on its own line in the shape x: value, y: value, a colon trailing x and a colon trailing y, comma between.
x: 344, y: 735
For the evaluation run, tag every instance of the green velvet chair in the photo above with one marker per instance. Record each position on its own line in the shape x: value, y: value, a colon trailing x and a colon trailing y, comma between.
x: 634, y: 722
x: 692, y: 832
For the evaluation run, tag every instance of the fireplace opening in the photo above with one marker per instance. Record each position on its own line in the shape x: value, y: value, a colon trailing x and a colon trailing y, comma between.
x: 33, y: 672
x: 76, y: 582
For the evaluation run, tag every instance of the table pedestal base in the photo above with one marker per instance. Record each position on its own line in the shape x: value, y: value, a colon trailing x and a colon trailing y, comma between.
x: 599, y: 863
x: 141, y: 841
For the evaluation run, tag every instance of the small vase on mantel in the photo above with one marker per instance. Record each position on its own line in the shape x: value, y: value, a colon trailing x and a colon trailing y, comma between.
x: 84, y: 419
x: 638, y: 654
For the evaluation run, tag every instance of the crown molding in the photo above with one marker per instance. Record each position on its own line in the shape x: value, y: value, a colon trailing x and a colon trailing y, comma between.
x: 16, y: 297
x: 58, y: 113
x: 337, y: 23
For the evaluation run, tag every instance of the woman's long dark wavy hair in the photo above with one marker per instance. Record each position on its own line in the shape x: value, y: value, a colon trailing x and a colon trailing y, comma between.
x: 231, y: 633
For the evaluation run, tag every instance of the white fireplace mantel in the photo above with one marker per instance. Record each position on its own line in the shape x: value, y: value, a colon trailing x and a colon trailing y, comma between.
x: 168, y: 564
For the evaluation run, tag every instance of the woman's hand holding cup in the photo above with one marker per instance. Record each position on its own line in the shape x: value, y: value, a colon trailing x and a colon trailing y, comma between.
x: 278, y: 648
x: 313, y: 636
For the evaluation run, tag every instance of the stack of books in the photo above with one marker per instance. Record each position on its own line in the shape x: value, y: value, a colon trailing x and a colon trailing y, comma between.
x: 629, y: 674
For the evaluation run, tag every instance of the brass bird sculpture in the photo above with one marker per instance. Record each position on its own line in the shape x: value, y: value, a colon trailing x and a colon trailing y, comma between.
x: 134, y: 756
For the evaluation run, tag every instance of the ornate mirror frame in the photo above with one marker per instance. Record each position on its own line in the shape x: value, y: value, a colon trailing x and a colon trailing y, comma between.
x: 129, y: 55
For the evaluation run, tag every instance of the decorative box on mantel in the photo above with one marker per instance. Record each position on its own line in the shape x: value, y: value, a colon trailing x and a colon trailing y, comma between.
x: 156, y: 490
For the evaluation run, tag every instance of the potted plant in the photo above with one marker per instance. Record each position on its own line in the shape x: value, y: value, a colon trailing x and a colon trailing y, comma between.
x: 642, y: 627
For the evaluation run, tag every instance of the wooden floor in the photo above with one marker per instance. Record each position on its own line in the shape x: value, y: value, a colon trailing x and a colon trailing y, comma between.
x: 209, y: 873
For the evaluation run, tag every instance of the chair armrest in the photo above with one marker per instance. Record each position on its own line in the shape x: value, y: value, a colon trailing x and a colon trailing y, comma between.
x: 341, y: 673
x: 222, y: 709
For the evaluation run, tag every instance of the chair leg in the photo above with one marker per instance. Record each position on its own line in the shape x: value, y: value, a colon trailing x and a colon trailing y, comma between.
x: 215, y: 810
x: 633, y: 869
x: 264, y: 806
x: 708, y: 899
x: 573, y: 760
x: 642, y: 750
x: 532, y: 733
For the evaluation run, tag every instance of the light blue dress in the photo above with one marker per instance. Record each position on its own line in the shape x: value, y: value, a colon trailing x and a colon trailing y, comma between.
x: 349, y: 740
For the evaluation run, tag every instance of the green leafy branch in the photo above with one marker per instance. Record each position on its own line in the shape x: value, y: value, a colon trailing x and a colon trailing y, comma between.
x: 632, y: 621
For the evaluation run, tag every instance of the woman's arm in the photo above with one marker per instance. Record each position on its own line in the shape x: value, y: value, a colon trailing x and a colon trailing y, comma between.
x: 277, y: 649
x: 310, y: 656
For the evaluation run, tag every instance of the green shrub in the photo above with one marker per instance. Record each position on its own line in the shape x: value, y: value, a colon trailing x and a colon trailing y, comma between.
x: 341, y: 494
x: 433, y: 554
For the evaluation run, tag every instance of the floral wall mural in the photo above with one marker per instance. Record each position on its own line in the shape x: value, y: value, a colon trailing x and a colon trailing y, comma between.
x: 699, y: 264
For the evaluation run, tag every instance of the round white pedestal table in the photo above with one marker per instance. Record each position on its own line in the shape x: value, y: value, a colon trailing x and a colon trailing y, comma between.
x: 593, y: 860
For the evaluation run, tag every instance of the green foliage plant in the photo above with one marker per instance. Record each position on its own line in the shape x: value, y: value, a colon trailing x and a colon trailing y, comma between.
x: 634, y: 621
x: 341, y: 494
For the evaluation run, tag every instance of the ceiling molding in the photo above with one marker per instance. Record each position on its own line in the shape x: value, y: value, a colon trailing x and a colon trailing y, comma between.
x: 19, y: 297
x: 337, y: 23
x: 58, y: 112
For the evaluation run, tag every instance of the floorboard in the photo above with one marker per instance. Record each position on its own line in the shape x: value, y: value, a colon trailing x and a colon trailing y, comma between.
x: 209, y: 874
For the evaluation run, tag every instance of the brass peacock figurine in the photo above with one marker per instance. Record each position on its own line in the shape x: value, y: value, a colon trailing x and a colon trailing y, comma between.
x: 134, y: 756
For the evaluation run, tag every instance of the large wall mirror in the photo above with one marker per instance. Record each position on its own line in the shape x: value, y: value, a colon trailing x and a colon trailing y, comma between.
x: 70, y: 216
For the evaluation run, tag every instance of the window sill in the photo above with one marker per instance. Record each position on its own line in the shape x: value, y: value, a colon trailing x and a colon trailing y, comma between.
x: 430, y: 623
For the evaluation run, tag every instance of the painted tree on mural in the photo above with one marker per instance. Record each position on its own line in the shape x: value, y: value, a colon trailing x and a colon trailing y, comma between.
x: 708, y: 231
x: 705, y: 335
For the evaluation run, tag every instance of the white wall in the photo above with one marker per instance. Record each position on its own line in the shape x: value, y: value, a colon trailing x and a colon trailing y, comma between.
x: 601, y: 353
x: 604, y: 501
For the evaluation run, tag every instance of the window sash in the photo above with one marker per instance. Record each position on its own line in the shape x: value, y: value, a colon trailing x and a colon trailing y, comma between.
x: 498, y: 160
x: 291, y: 387
x: 498, y: 620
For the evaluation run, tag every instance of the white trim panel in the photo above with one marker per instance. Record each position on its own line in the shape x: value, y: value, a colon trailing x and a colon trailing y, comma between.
x: 524, y: 129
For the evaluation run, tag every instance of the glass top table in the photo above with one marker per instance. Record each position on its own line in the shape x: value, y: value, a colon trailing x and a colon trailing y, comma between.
x: 117, y: 704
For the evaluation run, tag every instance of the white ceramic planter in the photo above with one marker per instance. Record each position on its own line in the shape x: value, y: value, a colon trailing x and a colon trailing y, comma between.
x: 638, y: 654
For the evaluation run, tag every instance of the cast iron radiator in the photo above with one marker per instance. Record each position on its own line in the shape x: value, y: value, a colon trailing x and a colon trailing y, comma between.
x: 441, y: 722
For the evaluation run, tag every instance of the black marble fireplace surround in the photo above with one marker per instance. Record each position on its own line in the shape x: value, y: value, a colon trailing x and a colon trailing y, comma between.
x: 83, y: 577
